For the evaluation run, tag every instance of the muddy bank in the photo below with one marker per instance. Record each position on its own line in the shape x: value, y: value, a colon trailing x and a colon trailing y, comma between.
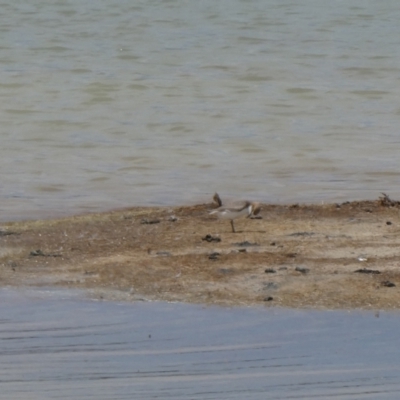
x: 320, y: 256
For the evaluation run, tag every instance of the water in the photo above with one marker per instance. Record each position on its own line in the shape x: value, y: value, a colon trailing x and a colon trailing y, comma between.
x: 109, y: 104
x: 55, y: 344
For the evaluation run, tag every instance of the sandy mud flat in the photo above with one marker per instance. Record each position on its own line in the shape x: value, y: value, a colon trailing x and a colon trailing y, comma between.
x: 335, y: 256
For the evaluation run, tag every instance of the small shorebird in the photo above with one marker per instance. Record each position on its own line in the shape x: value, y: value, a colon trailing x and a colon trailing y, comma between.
x: 246, y: 208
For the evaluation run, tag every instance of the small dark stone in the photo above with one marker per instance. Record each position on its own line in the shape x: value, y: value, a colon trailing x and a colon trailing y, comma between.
x: 388, y: 223
x: 386, y: 201
x: 273, y: 244
x: 367, y: 271
x: 36, y: 253
x: 39, y: 252
x: 163, y: 253
x: 242, y: 250
x: 302, y: 270
x: 291, y: 255
x: 388, y: 284
x: 208, y: 238
x: 146, y: 221
x: 270, y: 286
x: 246, y: 244
x: 214, y: 256
x: 269, y: 298
x: 270, y: 271
x: 7, y: 233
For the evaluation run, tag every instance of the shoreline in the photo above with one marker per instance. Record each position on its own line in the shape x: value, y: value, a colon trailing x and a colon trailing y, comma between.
x: 327, y: 256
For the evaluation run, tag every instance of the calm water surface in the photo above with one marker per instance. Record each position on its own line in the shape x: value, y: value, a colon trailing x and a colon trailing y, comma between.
x: 116, y: 103
x: 57, y: 345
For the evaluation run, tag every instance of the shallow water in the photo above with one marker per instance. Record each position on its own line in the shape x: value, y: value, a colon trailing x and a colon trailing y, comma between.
x: 56, y: 344
x: 108, y: 104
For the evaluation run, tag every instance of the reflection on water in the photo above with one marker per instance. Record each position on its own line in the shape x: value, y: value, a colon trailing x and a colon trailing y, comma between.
x: 110, y: 104
x: 54, y: 344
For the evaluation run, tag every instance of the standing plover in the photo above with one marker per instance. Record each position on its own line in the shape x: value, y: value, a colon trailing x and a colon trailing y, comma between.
x: 246, y: 209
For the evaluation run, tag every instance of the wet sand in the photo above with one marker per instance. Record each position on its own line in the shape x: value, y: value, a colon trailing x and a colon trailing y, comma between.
x: 299, y: 256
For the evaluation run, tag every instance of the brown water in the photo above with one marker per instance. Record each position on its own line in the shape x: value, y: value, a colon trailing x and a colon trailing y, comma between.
x: 108, y: 104
x: 57, y: 345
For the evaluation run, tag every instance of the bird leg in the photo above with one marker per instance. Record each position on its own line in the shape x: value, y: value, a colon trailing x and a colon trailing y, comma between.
x: 233, y: 227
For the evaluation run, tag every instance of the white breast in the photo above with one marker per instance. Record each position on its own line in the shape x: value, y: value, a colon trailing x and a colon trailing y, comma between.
x: 231, y: 213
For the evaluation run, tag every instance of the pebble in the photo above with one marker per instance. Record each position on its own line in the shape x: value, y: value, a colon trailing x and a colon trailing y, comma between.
x: 214, y: 256
x: 270, y: 286
x: 146, y: 221
x: 388, y: 284
x: 163, y: 253
x: 7, y: 233
x: 38, y: 252
x: 246, y: 244
x: 302, y: 270
x: 208, y: 238
x: 367, y: 271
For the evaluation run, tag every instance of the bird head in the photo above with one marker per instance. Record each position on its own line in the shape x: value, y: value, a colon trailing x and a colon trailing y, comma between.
x: 255, y: 208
